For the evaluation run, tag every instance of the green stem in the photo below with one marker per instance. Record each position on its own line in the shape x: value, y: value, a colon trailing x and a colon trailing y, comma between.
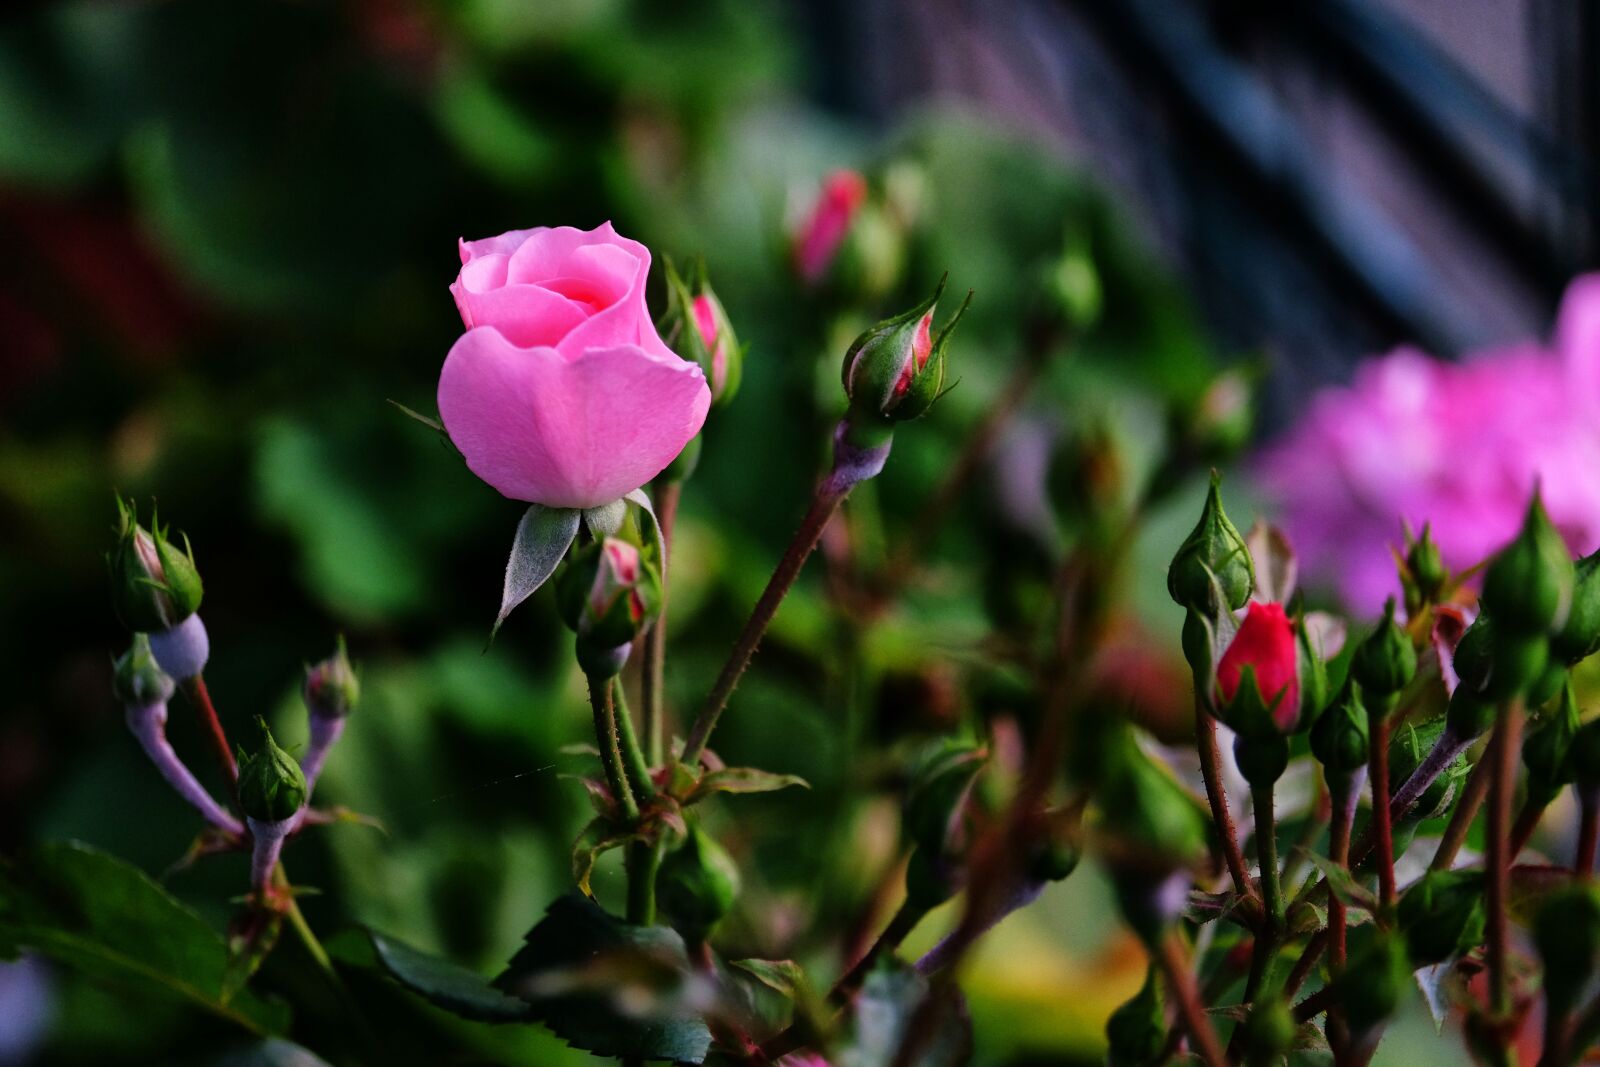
x: 632, y: 756
x: 643, y: 861
x: 1267, y: 854
x: 605, y: 735
x: 652, y: 680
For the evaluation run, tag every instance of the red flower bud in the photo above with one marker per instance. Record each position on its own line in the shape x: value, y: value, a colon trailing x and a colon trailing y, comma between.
x: 1265, y: 648
x: 824, y: 229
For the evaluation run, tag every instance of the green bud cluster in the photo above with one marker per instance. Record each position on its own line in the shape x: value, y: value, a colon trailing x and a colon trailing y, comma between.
x: 271, y: 785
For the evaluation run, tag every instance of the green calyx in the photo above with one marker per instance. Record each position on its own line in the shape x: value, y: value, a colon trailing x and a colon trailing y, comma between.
x: 1547, y: 749
x: 1580, y: 636
x: 1385, y: 662
x: 154, y: 586
x: 886, y: 378
x: 139, y: 681
x: 697, y: 885
x: 271, y: 785
x: 1442, y: 915
x: 332, y: 689
x: 1213, y: 557
x: 1269, y: 1031
x: 1529, y: 585
x: 1341, y: 736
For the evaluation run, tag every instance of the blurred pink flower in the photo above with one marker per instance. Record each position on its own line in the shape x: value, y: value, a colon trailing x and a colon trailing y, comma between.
x: 1458, y: 446
x: 823, y: 230
x: 561, y: 392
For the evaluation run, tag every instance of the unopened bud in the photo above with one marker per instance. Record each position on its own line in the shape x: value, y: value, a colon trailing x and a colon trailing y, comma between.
x: 1442, y: 915
x: 1340, y: 739
x: 1373, y: 984
x: 1221, y: 421
x: 1528, y: 585
x: 1580, y: 637
x: 1566, y: 932
x: 1258, y: 676
x: 937, y: 798
x: 1136, y: 1033
x: 1214, y: 552
x: 332, y: 689
x: 1545, y: 751
x: 271, y: 785
x: 697, y: 885
x: 1385, y: 662
x: 1425, y: 567
x: 1072, y: 284
x: 154, y: 586
x: 607, y: 592
x: 895, y: 370
x: 825, y: 226
x: 1269, y: 1031
x: 1152, y: 820
x: 139, y: 681
x: 1495, y: 663
x: 701, y: 333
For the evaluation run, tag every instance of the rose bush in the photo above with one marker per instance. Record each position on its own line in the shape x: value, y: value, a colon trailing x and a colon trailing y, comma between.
x: 561, y: 392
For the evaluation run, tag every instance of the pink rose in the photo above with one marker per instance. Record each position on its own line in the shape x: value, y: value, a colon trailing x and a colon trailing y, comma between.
x: 561, y: 392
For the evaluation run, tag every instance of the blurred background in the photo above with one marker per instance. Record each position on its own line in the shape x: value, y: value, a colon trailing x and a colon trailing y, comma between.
x: 228, y: 231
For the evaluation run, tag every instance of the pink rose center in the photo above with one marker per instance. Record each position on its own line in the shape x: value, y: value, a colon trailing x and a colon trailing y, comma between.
x: 921, y: 349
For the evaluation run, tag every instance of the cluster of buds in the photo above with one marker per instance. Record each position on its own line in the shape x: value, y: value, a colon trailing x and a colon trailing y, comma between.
x: 607, y: 592
x: 156, y: 590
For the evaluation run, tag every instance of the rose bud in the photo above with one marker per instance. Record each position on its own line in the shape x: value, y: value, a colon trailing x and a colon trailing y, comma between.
x: 1494, y: 663
x: 1072, y: 284
x: 139, y: 681
x: 1214, y: 552
x: 271, y: 785
x: 1566, y: 932
x: 1136, y: 1033
x: 817, y: 239
x: 1269, y: 1031
x: 697, y: 885
x: 1340, y: 740
x: 1374, y: 983
x: 154, y: 586
x: 331, y: 693
x: 1528, y: 585
x: 1545, y: 752
x: 607, y: 593
x: 272, y: 794
x: 1425, y: 569
x: 894, y: 371
x: 1580, y: 637
x: 1442, y: 915
x: 698, y: 330
x: 1258, y: 676
x: 1385, y: 662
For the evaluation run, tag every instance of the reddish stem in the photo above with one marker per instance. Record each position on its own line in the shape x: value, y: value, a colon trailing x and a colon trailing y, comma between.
x: 1191, y: 1012
x: 1378, y: 763
x: 824, y: 502
x: 211, y: 726
x: 1343, y: 792
x: 1205, y: 729
x: 1472, y: 794
x: 1588, y: 831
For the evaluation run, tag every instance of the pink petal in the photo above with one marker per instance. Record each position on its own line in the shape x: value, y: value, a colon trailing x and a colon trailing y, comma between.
x: 567, y: 430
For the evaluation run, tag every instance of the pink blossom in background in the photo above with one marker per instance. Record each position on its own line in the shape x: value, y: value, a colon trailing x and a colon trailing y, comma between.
x: 561, y: 391
x: 819, y: 236
x: 1456, y: 445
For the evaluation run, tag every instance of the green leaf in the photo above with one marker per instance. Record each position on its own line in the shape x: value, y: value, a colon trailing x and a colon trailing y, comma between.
x: 885, y: 1014
x: 598, y: 836
x: 543, y: 535
x: 607, y: 986
x: 742, y: 780
x: 444, y: 984
x: 92, y: 911
x: 1339, y: 881
x: 783, y: 976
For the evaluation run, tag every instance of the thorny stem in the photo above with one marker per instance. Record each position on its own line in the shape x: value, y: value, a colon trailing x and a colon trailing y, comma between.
x: 605, y: 735
x: 1267, y: 855
x: 633, y: 759
x: 1378, y: 763
x: 1472, y: 794
x: 1440, y: 756
x: 824, y: 502
x: 1507, y: 741
x: 643, y: 857
x: 1205, y: 728
x: 652, y: 678
x: 1174, y: 958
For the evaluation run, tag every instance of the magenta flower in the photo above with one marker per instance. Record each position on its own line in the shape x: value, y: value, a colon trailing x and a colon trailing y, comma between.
x: 1458, y: 446
x: 561, y: 392
x: 821, y: 233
